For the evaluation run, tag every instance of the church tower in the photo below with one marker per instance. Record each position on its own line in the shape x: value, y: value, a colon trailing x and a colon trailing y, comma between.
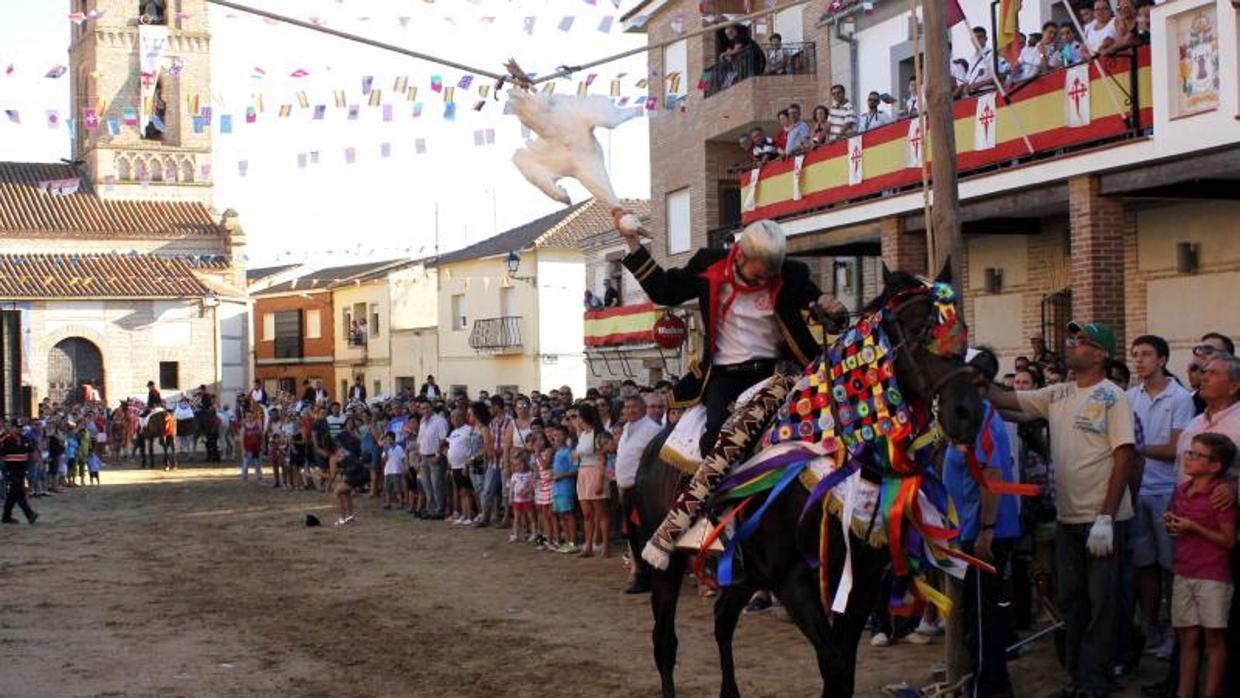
x: 141, y: 85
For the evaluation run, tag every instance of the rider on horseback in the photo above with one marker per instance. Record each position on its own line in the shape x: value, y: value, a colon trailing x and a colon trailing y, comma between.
x: 752, y: 302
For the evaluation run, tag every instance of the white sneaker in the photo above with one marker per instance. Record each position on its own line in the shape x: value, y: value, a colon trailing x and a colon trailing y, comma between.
x: 341, y: 522
x: 880, y: 640
x: 349, y: 518
x: 929, y: 629
x: 478, y: 519
x: 917, y: 638
x: 513, y: 538
x: 455, y: 520
x: 531, y: 538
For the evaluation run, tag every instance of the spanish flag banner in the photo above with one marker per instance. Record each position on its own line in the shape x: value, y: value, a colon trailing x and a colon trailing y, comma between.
x: 1009, y: 27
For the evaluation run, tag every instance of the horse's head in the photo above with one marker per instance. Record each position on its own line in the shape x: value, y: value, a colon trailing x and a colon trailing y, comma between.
x: 929, y: 339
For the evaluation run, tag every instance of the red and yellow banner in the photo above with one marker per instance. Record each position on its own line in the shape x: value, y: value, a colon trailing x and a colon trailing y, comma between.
x: 886, y: 156
x: 628, y: 324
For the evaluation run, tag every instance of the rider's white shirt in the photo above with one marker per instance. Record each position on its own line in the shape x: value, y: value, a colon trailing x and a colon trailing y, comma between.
x: 749, y: 331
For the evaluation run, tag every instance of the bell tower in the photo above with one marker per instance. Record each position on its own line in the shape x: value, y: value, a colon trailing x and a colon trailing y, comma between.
x: 140, y: 74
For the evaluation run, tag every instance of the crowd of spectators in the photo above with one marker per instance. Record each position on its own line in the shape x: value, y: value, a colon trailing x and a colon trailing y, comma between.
x: 1058, y: 45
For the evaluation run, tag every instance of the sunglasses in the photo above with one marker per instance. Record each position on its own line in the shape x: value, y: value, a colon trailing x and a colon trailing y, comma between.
x: 1204, y: 350
x: 1079, y: 341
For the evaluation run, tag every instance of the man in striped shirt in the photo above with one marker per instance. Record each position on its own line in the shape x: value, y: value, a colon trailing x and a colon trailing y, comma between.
x: 841, y: 116
x: 15, y: 453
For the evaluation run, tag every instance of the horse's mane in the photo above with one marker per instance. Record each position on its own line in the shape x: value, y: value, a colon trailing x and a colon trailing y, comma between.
x: 896, y: 282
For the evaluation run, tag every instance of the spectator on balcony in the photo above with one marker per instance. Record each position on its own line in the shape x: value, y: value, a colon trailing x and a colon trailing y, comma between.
x: 1085, y: 13
x: 1030, y: 65
x: 763, y: 148
x: 592, y: 301
x: 1125, y: 28
x: 740, y: 57
x: 746, y: 145
x: 981, y: 75
x: 797, y: 141
x: 842, y: 116
x: 873, y: 117
x: 1101, y: 33
x: 1049, y: 55
x: 821, y: 127
x: 913, y: 99
x: 781, y: 138
x: 776, y: 56
x: 611, y: 295
x: 960, y: 74
x: 1142, y: 32
x: 1070, y: 49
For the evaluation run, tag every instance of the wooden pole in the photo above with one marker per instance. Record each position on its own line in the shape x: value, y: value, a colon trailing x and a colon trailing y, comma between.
x: 946, y: 201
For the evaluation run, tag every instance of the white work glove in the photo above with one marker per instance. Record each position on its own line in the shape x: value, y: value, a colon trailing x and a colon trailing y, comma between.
x: 1101, y: 537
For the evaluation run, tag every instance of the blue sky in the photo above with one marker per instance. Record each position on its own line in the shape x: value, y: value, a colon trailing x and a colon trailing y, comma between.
x: 376, y: 207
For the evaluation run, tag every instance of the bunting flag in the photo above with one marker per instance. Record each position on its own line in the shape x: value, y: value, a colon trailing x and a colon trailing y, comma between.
x: 251, y: 115
x: 985, y: 122
x: 465, y: 82
x: 566, y: 24
x: 16, y: 117
x: 605, y: 25
x: 341, y: 102
x: 320, y: 110
x: 243, y: 167
x: 191, y: 103
x: 199, y: 125
x: 350, y: 156
x: 367, y: 82
x: 480, y: 104
x: 401, y: 84
x: 258, y: 73
x: 484, y: 91
x: 641, y: 84
x: 449, y: 111
x: 114, y: 127
x: 615, y: 88
x: 90, y: 119
x: 652, y: 103
x: 480, y: 138
x: 376, y: 98
x: 419, y: 146
x: 303, y: 101
x: 437, y: 82
x: 955, y: 15
x: 299, y: 73
x: 673, y: 84
x: 1076, y: 95
x: 301, y: 161
x: 417, y: 110
x: 314, y: 157
x: 56, y: 71
x: 101, y: 106
x: 583, y: 89
x: 387, y: 112
x: 1008, y: 28
x: 286, y: 110
x: 490, y: 136
x: 527, y: 25
x: 225, y: 123
x: 53, y: 118
x: 449, y: 94
x: 206, y: 113
x: 412, y: 94
x: 354, y: 110
x: 385, y: 150
x: 549, y: 88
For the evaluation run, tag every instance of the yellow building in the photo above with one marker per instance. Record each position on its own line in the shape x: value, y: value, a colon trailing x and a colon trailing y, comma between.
x: 510, y: 307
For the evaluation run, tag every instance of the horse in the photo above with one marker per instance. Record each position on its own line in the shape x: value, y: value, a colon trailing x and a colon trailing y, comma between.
x: 156, y: 431
x: 772, y: 558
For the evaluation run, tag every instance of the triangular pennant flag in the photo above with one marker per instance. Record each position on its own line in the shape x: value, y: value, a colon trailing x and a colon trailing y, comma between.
x: 400, y: 84
x: 566, y: 24
x: 583, y: 88
x: 615, y: 88
x: 412, y: 94
x: 367, y: 82
x: 191, y: 103
x: 285, y: 110
x: 299, y: 73
x: 376, y: 97
x: 480, y: 104
x: 387, y: 112
x: 549, y: 88
x: 480, y: 138
x: 465, y: 82
x: 527, y: 25
x: 303, y: 101
x: 320, y: 110
x: 490, y: 136
x: 484, y: 91
x: 353, y: 112
x: 605, y: 25
x: 341, y: 102
x: 56, y: 71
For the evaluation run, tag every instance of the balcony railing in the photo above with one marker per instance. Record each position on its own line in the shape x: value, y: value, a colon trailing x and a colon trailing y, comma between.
x: 990, y: 134
x: 759, y: 60
x: 356, y: 339
x: 496, y: 334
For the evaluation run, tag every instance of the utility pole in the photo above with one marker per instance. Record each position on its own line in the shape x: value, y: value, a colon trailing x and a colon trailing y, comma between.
x: 945, y: 223
x: 945, y: 241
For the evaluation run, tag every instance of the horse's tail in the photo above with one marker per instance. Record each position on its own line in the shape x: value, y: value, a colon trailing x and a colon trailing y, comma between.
x: 658, y: 483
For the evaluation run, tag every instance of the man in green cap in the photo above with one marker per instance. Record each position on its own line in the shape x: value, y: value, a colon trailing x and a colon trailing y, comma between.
x: 1096, y: 476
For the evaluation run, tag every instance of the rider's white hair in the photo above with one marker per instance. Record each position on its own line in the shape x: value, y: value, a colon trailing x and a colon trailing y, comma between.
x: 764, y: 241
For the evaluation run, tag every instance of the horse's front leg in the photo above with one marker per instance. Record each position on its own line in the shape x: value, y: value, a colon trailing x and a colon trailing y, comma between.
x: 664, y: 595
x: 728, y: 609
x: 801, y: 598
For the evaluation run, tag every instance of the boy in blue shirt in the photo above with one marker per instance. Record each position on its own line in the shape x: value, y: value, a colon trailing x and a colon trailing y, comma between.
x: 989, y: 526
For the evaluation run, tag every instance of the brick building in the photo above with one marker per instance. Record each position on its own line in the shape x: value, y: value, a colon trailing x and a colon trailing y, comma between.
x: 114, y: 269
x: 1105, y: 192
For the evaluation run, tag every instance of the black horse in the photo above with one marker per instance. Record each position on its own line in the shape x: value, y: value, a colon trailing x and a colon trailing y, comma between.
x: 772, y: 557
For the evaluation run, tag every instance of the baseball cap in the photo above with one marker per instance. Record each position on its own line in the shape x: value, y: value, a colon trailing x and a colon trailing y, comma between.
x: 1097, y: 332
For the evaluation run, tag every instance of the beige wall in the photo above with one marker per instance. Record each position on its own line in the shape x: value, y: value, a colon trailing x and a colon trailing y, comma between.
x: 415, y: 354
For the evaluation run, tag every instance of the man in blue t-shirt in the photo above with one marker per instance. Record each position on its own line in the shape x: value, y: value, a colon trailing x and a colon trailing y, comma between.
x: 989, y: 525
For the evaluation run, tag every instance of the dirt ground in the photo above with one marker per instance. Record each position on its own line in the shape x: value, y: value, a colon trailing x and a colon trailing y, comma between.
x: 194, y: 583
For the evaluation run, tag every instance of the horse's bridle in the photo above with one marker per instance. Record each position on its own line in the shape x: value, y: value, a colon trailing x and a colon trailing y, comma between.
x: 910, y: 344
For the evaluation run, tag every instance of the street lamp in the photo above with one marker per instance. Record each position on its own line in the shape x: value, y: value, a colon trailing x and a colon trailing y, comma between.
x: 513, y: 261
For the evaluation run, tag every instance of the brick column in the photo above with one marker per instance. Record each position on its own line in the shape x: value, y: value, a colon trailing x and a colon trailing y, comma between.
x: 901, y: 250
x: 1099, y: 227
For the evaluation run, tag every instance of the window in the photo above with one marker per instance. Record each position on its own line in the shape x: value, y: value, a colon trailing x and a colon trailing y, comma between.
x: 678, y: 221
x: 377, y: 389
x: 675, y: 67
x: 314, y: 324
x: 288, y: 334
x: 374, y: 320
x: 459, y: 312
x: 454, y: 389
x: 169, y: 375
x: 406, y: 383
x: 269, y: 327
x: 288, y: 385
x: 153, y: 11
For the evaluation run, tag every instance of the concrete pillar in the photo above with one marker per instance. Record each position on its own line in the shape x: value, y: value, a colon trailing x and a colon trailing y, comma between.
x: 902, y: 250
x: 1099, y: 227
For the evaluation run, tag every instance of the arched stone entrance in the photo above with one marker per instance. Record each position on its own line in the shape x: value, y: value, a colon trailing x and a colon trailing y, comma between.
x: 70, y: 363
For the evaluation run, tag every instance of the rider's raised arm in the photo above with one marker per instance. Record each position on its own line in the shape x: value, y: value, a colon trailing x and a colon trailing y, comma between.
x: 666, y: 286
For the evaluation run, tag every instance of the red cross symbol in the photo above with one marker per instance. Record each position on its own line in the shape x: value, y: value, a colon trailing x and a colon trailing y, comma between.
x: 915, y: 140
x: 855, y: 157
x: 988, y: 116
x: 1078, y: 91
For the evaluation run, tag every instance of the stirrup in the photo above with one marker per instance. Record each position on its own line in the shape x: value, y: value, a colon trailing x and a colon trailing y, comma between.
x: 696, y: 534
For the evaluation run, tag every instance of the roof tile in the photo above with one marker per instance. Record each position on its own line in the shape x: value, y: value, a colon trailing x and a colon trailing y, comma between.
x: 100, y: 276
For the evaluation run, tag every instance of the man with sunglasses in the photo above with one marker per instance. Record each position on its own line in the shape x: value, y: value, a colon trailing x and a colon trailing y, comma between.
x: 752, y: 300
x: 1096, y: 475
x: 1211, y: 343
